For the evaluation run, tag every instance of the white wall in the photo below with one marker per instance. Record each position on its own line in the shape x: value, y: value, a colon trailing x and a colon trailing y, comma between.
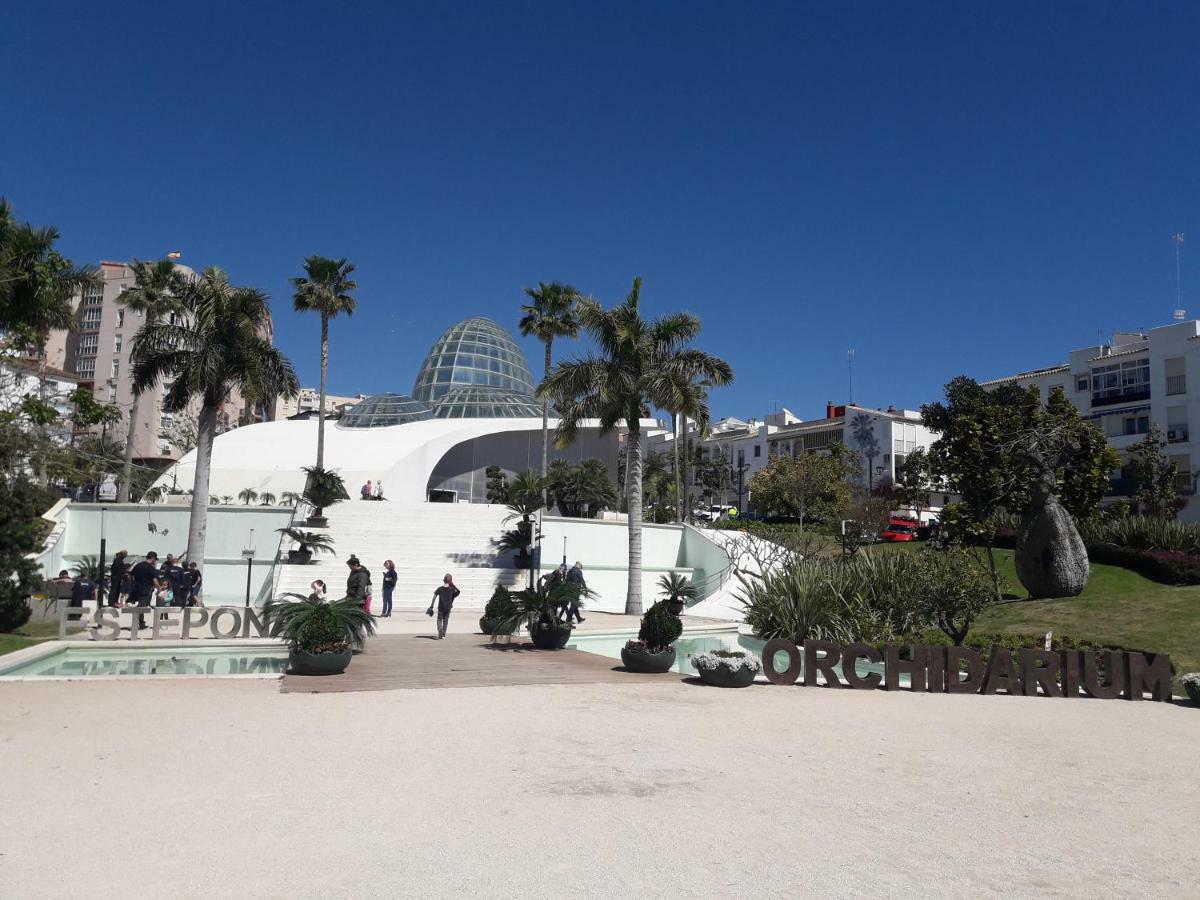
x: 126, y: 528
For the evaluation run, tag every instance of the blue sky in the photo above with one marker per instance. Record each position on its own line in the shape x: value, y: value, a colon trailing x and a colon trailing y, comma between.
x: 945, y: 187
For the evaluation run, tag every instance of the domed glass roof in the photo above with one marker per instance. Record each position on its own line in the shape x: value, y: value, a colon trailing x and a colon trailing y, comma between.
x: 475, y: 351
x: 384, y: 409
x: 483, y: 402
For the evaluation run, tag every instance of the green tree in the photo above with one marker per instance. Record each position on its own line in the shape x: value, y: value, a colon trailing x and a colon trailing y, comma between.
x: 324, y: 289
x: 1153, y: 475
x: 218, y: 344
x: 862, y: 429
x: 913, y: 482
x: 152, y: 296
x: 811, y: 485
x: 952, y: 589
x: 21, y: 534
x: 580, y: 490
x: 550, y: 314
x: 687, y: 398
x: 630, y: 372
x: 247, y: 496
x: 497, y: 485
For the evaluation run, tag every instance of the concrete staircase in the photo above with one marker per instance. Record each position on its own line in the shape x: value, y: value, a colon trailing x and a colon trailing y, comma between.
x: 424, y: 540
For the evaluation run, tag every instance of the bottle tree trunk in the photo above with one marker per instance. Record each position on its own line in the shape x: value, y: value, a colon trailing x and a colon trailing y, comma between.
x: 324, y: 374
x: 198, y: 524
x: 633, y: 469
x: 127, y: 465
x: 546, y: 426
x: 1051, y: 558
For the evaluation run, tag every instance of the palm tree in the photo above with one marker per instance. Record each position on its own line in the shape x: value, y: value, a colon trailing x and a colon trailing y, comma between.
x: 551, y: 314
x: 36, y: 286
x: 688, y: 399
x: 153, y: 296
x: 632, y: 371
x: 247, y: 496
x: 863, y: 431
x: 215, y: 346
x: 289, y: 498
x: 324, y: 288
x: 266, y: 498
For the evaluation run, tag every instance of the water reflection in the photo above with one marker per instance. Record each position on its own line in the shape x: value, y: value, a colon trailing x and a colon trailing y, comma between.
x: 82, y: 664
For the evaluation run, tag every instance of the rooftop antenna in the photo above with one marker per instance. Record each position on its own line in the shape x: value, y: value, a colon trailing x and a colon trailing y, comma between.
x: 1179, y: 311
x: 850, y: 368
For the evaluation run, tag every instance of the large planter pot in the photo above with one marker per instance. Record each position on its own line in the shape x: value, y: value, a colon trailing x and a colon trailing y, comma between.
x: 302, y: 663
x: 637, y: 660
x: 317, y: 522
x: 550, y: 638
x: 492, y: 626
x: 300, y: 557
x: 724, y: 676
x: 1192, y: 688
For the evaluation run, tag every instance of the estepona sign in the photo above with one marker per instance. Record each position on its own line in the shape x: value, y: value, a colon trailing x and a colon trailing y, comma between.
x: 961, y: 670
x: 173, y: 622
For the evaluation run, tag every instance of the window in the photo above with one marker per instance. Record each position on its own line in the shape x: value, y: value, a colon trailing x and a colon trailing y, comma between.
x: 757, y: 450
x: 117, y: 344
x: 86, y: 368
x: 120, y: 317
x: 88, y: 344
x: 116, y: 368
x: 1135, y: 424
x: 1082, y: 383
x: 112, y: 393
x: 1176, y: 376
x: 1121, y: 382
x: 92, y: 316
x: 1177, y: 424
x: 93, y: 295
x: 1183, y: 471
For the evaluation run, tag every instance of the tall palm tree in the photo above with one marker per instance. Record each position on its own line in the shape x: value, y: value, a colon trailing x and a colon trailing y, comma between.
x: 324, y: 288
x: 36, y: 286
x: 687, y: 399
x: 215, y: 346
x: 549, y: 314
x: 152, y: 296
x: 863, y: 431
x: 631, y: 372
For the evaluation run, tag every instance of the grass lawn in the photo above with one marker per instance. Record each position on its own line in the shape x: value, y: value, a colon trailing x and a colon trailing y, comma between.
x: 27, y: 635
x: 1117, y: 606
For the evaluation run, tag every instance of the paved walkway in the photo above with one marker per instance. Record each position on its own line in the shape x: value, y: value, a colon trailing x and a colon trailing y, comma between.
x: 399, y: 661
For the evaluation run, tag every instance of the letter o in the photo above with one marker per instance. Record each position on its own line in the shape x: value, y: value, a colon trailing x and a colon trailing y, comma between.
x: 216, y: 617
x: 792, y: 672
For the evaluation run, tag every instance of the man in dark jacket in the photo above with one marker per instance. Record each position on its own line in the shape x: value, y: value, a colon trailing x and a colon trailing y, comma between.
x: 575, y: 577
x: 358, y: 584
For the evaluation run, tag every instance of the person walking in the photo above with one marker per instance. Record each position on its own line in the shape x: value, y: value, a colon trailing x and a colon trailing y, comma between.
x: 389, y: 584
x: 143, y: 584
x: 444, y: 598
x: 117, y: 587
x: 358, y: 584
x: 575, y: 576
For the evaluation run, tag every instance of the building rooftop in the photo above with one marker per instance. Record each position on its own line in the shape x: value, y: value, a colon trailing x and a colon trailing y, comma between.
x: 475, y: 351
x: 1032, y: 373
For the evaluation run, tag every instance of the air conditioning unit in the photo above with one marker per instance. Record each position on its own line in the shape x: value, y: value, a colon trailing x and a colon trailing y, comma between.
x: 1171, y: 434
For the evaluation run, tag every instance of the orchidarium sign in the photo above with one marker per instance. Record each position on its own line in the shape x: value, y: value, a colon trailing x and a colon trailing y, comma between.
x: 1106, y: 674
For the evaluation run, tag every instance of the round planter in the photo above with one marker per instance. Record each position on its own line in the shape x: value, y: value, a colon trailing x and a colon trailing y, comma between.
x: 1193, y: 691
x: 723, y: 676
x: 675, y: 607
x: 487, y: 626
x: 300, y: 557
x: 301, y: 663
x: 317, y: 522
x: 550, y: 638
x: 645, y: 661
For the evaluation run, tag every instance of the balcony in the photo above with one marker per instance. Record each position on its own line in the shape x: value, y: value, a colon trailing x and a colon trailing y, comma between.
x: 1176, y: 385
x: 1121, y: 395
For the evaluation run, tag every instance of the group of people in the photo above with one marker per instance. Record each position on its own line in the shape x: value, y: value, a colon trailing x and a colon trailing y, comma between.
x: 573, y: 575
x: 145, y: 584
x: 358, y: 587
x: 371, y: 491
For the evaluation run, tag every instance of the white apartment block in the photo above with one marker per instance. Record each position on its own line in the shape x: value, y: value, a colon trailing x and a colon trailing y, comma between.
x: 97, y: 352
x: 1124, y: 387
x: 308, y: 401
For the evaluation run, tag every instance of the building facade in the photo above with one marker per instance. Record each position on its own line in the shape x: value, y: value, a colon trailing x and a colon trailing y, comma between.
x: 1124, y: 387
x: 308, y: 400
x: 97, y: 352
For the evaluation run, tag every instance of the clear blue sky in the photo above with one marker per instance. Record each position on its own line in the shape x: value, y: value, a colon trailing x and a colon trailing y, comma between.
x: 946, y: 187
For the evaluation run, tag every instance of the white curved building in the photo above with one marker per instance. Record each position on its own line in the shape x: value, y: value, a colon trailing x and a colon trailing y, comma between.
x: 472, y: 407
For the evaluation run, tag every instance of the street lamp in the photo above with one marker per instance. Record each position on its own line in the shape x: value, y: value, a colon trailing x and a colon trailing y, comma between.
x: 248, y: 555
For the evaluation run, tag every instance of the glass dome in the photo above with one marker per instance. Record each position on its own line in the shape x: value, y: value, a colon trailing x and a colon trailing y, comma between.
x: 475, y: 351
x: 382, y: 410
x: 482, y: 402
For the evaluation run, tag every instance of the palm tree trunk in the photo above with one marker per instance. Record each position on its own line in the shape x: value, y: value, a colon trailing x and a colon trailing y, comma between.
x: 687, y: 493
x: 198, y: 524
x: 633, y: 466
x: 127, y: 466
x: 675, y: 452
x: 43, y: 478
x: 546, y: 424
x: 321, y: 408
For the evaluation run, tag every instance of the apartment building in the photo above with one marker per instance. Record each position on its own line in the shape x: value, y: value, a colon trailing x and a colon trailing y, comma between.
x: 97, y: 352
x: 1137, y: 380
x: 309, y: 400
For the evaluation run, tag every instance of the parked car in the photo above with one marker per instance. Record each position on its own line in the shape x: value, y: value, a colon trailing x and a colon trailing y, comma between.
x: 898, y: 532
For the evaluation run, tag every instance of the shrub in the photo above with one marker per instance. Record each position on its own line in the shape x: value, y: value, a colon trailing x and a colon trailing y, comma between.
x: 659, y: 628
x: 1142, y: 533
x: 951, y: 588
x: 14, y: 612
x: 306, y: 624
x: 321, y: 633
x: 732, y: 659
x: 1165, y: 567
x: 501, y: 606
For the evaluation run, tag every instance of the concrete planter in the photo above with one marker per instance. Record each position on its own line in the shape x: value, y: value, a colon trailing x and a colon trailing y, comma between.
x: 301, y: 663
x: 550, y: 638
x: 1192, y: 689
x: 637, y: 660
x: 724, y: 676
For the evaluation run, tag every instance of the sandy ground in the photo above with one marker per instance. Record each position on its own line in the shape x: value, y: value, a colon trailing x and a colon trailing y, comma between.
x: 211, y: 788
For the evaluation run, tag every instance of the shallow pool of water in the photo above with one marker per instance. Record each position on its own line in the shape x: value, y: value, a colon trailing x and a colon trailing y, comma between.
x: 86, y: 662
x: 610, y: 645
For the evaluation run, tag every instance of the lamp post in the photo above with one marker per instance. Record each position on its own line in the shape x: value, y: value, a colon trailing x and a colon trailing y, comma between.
x: 103, y: 551
x: 248, y: 555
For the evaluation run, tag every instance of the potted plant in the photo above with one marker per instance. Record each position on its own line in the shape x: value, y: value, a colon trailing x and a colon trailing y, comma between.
x: 1191, y: 684
x: 321, y: 635
x: 322, y: 488
x: 309, y: 541
x: 499, y: 609
x: 524, y: 500
x: 727, y: 668
x: 677, y: 590
x: 543, y: 610
x: 654, y: 649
